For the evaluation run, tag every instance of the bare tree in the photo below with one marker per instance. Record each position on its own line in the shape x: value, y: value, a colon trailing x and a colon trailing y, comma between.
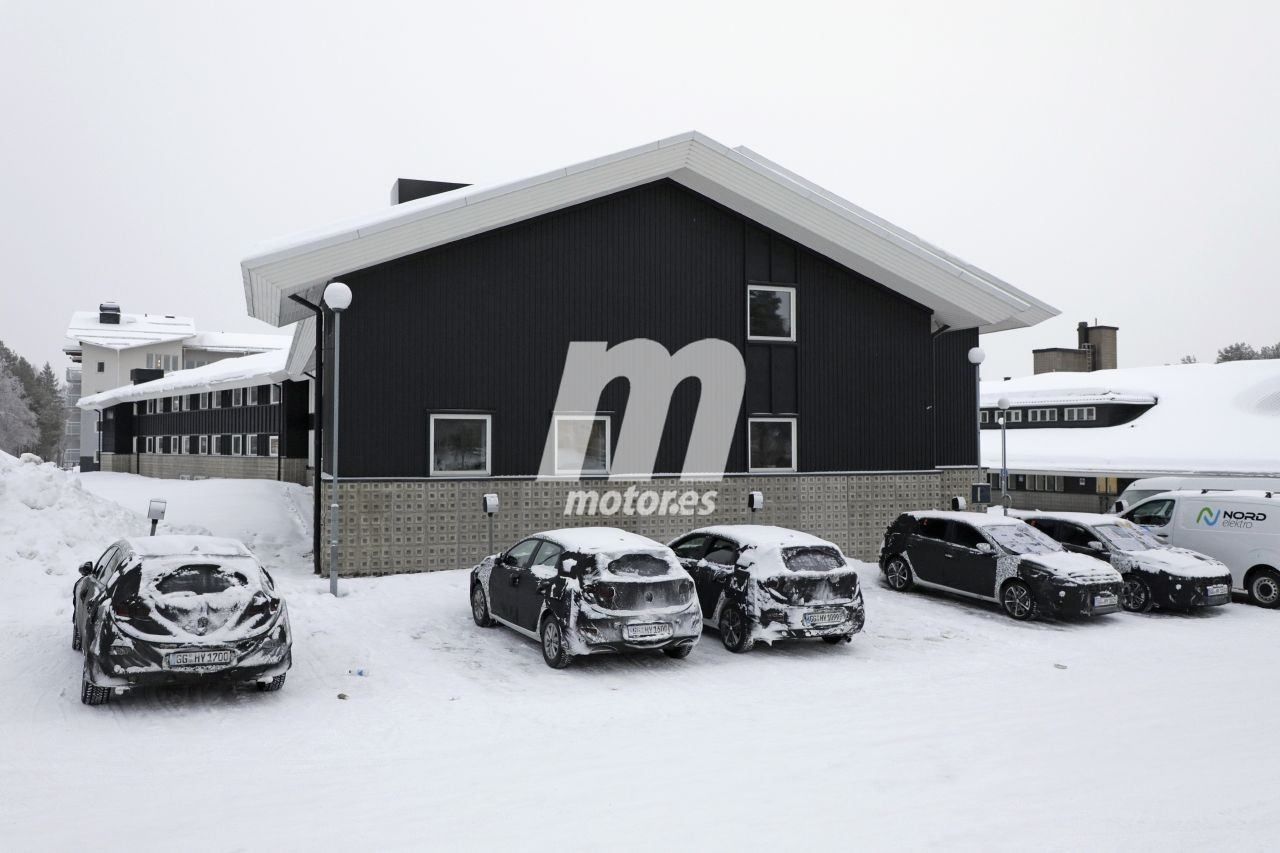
x: 18, y: 429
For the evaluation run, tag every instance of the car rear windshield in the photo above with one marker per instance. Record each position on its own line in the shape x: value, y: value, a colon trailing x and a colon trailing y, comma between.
x: 1127, y: 537
x: 642, y: 565
x: 1021, y: 539
x: 199, y: 579
x: 815, y: 559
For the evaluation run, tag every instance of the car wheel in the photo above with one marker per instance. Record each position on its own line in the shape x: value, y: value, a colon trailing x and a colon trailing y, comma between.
x: 735, y: 633
x: 273, y: 685
x: 1135, y: 595
x: 480, y: 607
x: 1018, y: 602
x: 92, y: 694
x: 678, y: 652
x: 898, y: 574
x: 554, y: 650
x: 1264, y: 588
x: 76, y: 642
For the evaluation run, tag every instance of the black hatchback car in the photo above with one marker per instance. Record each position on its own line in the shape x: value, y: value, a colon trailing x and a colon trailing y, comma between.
x: 996, y: 558
x: 589, y: 591
x: 1155, y: 575
x: 178, y: 609
x: 757, y: 582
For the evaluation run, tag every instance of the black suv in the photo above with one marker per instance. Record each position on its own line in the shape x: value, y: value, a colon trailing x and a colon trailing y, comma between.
x: 757, y: 582
x: 996, y: 558
x: 588, y: 591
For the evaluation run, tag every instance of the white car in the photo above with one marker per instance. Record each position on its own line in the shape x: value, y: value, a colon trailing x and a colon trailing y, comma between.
x: 1242, y: 529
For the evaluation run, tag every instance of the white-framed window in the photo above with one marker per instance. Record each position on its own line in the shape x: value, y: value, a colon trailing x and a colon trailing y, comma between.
x: 237, y: 445
x: 273, y: 445
x: 177, y: 403
x: 204, y: 445
x: 204, y: 400
x: 135, y: 409
x: 460, y: 445
x: 151, y: 406
x: 251, y: 395
x: 275, y: 394
x: 771, y: 444
x: 1013, y: 416
x: 982, y: 417
x: 151, y: 444
x: 187, y: 443
x: 251, y: 445
x: 215, y: 400
x: 237, y: 397
x: 135, y: 444
x: 1082, y: 413
x: 771, y: 313
x: 583, y: 444
x: 1039, y: 416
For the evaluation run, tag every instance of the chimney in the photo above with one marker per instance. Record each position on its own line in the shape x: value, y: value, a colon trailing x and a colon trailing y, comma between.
x: 109, y: 313
x: 1082, y: 334
x: 408, y: 189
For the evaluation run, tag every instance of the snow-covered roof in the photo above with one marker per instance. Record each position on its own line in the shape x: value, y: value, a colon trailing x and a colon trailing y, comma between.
x: 1090, y: 396
x: 179, y: 546
x: 765, y: 536
x: 977, y: 519
x: 1210, y: 419
x: 133, y: 330
x: 245, y: 342
x: 960, y: 295
x: 263, y: 368
x: 601, y: 540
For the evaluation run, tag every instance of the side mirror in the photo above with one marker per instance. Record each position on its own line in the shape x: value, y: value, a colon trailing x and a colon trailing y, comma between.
x: 86, y: 569
x: 1095, y: 545
x: 1119, y: 507
x: 985, y: 547
x: 507, y: 560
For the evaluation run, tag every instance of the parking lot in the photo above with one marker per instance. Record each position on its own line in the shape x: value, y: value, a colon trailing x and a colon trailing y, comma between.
x: 943, y: 724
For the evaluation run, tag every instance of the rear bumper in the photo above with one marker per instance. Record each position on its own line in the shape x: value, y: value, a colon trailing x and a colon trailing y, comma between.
x: 594, y: 635
x: 129, y: 662
x: 789, y: 623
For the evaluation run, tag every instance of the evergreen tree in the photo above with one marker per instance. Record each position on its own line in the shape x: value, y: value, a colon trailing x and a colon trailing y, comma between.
x: 1272, y: 351
x: 1237, y: 352
x: 50, y: 413
x: 1189, y: 359
x: 18, y: 430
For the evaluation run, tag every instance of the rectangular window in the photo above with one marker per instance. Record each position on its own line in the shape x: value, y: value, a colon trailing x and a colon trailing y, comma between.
x: 252, y: 395
x: 1014, y: 416
x: 151, y: 407
x: 215, y: 400
x: 204, y: 400
x: 151, y: 361
x: 135, y: 409
x: 204, y: 445
x: 771, y: 444
x: 237, y: 448
x: 135, y: 444
x: 982, y: 417
x: 273, y: 445
x: 583, y: 443
x: 177, y: 404
x: 151, y: 444
x: 771, y: 313
x: 275, y: 394
x: 460, y: 445
x: 237, y: 397
x: 251, y: 442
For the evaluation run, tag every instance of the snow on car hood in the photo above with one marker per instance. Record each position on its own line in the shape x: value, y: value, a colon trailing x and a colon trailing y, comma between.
x: 1077, y: 567
x: 1174, y: 561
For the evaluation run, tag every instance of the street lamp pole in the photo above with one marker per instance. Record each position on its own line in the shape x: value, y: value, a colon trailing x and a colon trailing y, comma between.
x: 976, y: 357
x: 1003, y: 404
x: 338, y: 297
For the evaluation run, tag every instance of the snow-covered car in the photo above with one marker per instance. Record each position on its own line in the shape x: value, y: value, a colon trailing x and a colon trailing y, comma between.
x: 1155, y: 575
x: 996, y: 558
x: 763, y: 583
x: 178, y: 609
x: 589, y: 591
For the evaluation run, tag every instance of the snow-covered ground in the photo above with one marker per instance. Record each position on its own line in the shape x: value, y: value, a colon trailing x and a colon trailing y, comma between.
x: 944, y: 724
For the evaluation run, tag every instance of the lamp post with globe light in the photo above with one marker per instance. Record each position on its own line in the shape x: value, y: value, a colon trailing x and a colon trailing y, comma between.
x: 338, y: 297
x: 1003, y: 405
x: 976, y: 356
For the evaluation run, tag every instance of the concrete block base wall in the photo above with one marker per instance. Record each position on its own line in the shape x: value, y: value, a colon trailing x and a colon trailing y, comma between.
x: 172, y: 466
x: 1061, y: 501
x: 397, y: 526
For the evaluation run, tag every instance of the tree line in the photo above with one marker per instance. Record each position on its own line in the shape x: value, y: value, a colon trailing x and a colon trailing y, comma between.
x: 1240, y: 351
x: 32, y: 407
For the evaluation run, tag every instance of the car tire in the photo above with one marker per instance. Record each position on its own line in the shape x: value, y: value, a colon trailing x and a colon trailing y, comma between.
x: 735, y: 631
x: 92, y: 694
x: 1018, y: 602
x: 480, y: 607
x: 897, y: 573
x: 273, y: 685
x: 1264, y: 588
x: 554, y: 650
x: 678, y: 652
x: 1135, y: 595
x: 77, y: 642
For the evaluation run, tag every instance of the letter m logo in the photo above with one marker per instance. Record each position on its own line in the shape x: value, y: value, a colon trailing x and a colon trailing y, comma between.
x: 652, y: 375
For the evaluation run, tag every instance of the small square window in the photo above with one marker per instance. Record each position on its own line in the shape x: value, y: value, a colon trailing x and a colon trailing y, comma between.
x: 460, y: 445
x: 771, y: 444
x: 583, y: 444
x: 771, y: 313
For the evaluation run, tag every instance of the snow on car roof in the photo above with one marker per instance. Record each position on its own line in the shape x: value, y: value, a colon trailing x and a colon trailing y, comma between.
x: 977, y: 519
x: 764, y: 535
x: 600, y: 540
x: 185, y: 546
x: 1077, y: 517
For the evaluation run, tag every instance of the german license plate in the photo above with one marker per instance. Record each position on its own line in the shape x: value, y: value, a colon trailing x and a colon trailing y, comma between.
x: 1106, y: 599
x: 1217, y: 589
x: 824, y: 618
x: 217, y: 657
x: 649, y: 631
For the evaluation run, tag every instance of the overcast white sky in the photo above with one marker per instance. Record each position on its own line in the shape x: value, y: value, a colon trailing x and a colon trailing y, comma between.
x: 1118, y: 160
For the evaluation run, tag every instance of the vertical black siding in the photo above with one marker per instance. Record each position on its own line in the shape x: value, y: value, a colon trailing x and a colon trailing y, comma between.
x: 956, y: 406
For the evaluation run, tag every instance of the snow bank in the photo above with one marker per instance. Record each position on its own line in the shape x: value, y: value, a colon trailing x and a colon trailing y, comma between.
x: 1209, y: 419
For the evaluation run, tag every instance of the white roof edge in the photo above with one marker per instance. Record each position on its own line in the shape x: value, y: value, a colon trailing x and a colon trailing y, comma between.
x: 265, y: 368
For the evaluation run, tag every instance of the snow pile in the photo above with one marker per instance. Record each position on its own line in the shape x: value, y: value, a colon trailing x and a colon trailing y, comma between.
x: 1209, y: 419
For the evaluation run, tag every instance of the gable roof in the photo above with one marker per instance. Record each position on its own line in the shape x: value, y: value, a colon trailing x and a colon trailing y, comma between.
x: 960, y: 295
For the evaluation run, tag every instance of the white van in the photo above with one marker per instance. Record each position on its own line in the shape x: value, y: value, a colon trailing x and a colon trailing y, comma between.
x: 1140, y: 490
x: 1240, y: 528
